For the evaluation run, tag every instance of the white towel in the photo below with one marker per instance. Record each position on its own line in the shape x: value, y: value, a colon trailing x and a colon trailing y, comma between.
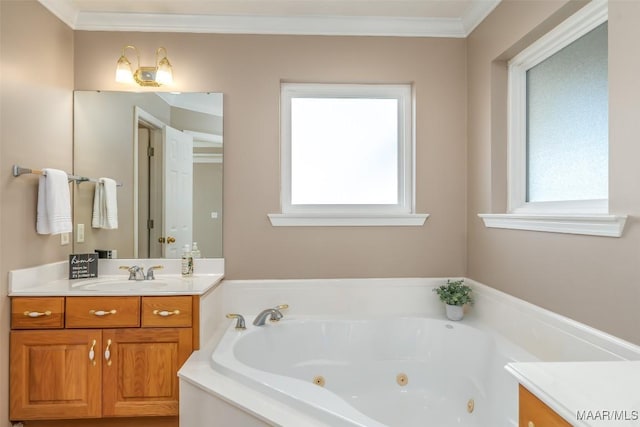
x: 54, y: 203
x: 105, y: 205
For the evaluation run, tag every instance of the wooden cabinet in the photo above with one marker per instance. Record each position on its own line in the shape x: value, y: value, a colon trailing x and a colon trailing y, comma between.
x: 140, y: 377
x: 52, y: 375
x: 110, y: 357
x: 534, y: 413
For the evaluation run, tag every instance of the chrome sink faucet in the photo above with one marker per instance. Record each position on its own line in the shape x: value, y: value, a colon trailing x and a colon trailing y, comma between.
x: 274, y: 315
x: 135, y: 272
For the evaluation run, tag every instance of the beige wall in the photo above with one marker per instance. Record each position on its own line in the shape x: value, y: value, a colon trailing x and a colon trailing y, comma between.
x: 36, y: 131
x: 248, y: 70
x: 590, y: 279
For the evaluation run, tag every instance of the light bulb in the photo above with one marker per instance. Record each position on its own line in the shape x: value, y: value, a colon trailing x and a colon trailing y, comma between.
x: 123, y: 71
x: 164, y: 73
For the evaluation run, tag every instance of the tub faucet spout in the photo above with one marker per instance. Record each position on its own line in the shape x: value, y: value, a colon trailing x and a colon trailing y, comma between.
x: 239, y: 320
x: 274, y: 314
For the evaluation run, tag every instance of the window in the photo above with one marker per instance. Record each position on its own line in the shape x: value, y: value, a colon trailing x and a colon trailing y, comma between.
x: 347, y: 155
x: 567, y: 123
x: 558, y: 140
x: 558, y: 131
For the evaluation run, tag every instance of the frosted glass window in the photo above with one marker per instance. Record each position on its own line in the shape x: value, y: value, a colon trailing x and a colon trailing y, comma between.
x: 567, y: 122
x: 344, y: 151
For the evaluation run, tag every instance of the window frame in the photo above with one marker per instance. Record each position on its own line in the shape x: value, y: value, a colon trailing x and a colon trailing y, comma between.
x: 585, y: 217
x: 401, y: 213
x: 576, y: 26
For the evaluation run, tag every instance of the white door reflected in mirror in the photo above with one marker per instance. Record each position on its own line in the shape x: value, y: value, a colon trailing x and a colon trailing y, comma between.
x: 178, y: 190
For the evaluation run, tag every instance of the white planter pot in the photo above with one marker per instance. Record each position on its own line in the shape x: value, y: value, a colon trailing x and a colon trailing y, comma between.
x: 455, y: 312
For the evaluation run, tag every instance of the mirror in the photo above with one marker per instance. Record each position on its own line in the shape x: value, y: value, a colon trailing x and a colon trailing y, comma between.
x: 164, y: 150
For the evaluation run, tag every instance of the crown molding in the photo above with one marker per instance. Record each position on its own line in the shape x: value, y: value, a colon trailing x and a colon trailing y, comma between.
x: 64, y: 10
x: 477, y: 13
x: 286, y: 25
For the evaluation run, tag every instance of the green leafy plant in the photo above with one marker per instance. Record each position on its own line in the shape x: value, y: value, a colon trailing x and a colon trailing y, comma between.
x: 454, y: 293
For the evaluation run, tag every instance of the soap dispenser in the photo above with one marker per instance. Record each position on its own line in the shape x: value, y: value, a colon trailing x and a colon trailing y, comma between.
x: 195, y: 252
x: 187, y: 262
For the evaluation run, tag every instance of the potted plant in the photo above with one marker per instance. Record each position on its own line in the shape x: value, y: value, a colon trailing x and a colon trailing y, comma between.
x: 455, y: 294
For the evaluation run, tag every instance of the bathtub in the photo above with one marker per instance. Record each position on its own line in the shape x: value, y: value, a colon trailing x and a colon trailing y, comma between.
x: 375, y: 372
x: 358, y: 335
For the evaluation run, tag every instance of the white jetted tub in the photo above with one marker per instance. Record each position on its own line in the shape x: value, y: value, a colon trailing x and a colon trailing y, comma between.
x: 400, y: 372
x: 382, y: 348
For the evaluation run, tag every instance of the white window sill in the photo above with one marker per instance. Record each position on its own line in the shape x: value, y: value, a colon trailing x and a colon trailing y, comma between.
x: 311, y: 220
x: 591, y: 224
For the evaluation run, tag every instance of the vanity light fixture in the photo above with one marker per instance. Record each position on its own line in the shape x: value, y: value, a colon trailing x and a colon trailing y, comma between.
x: 161, y: 74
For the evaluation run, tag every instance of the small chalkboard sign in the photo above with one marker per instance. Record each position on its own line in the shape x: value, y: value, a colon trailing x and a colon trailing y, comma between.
x: 83, y: 266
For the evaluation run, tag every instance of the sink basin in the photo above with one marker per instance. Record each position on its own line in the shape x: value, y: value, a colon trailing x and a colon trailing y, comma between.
x: 119, y: 285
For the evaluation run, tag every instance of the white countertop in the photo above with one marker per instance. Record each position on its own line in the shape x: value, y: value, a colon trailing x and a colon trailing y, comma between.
x: 175, y: 285
x: 51, y: 279
x: 586, y: 394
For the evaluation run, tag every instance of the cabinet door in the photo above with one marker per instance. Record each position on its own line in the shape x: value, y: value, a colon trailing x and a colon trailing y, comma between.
x: 140, y: 374
x: 53, y: 375
x: 533, y: 412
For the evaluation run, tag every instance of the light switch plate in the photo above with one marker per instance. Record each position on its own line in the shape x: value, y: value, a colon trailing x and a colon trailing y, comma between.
x: 64, y: 238
x: 80, y: 233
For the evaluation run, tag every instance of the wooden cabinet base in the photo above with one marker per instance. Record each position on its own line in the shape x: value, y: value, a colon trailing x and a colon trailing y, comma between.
x: 534, y: 413
x: 109, y: 422
x: 112, y: 357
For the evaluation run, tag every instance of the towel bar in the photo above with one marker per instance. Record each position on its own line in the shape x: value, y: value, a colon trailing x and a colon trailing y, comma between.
x: 19, y: 170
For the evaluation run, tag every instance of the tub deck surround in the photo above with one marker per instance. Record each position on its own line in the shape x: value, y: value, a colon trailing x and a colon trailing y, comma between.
x: 52, y: 279
x: 235, y: 404
x: 543, y: 335
x: 586, y: 394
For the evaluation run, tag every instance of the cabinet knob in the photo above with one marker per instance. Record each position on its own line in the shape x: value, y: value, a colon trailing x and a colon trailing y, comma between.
x: 165, y: 313
x: 171, y: 239
x: 101, y: 313
x: 531, y: 424
x: 37, y: 313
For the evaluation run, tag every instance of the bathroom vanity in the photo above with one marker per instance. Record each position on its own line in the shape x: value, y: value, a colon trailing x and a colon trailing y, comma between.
x: 80, y: 351
x: 122, y: 362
